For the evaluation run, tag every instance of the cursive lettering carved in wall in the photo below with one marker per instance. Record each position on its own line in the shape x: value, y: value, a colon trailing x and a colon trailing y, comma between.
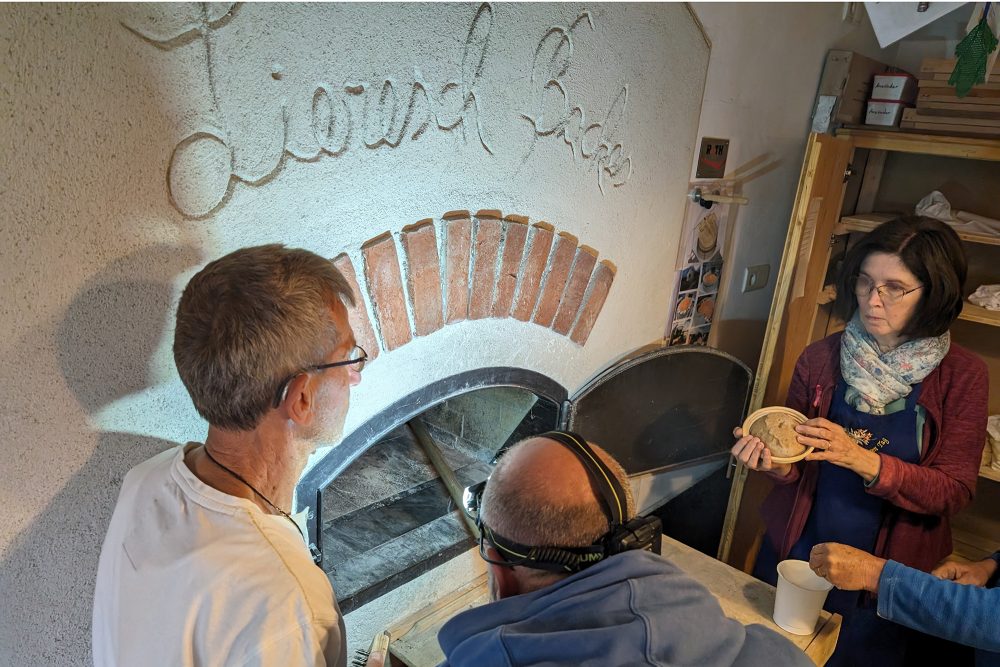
x: 554, y: 115
x: 203, y: 170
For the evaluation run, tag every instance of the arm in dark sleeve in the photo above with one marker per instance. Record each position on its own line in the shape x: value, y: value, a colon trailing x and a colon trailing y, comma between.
x: 961, y: 613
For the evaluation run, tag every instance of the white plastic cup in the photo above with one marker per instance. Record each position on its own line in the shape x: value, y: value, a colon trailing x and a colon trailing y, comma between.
x: 800, y: 597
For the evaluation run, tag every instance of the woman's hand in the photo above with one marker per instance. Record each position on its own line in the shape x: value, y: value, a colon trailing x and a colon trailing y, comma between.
x: 752, y: 452
x: 977, y: 573
x: 834, y: 445
x: 845, y: 567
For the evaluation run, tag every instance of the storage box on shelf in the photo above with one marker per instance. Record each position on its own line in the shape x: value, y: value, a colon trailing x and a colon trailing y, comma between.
x: 888, y: 114
x: 851, y: 183
x: 895, y: 86
x: 844, y: 89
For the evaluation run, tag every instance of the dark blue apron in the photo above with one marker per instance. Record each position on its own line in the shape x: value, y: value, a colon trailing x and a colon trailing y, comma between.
x: 844, y: 512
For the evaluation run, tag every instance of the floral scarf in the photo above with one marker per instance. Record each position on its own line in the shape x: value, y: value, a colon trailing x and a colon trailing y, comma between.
x: 875, y: 380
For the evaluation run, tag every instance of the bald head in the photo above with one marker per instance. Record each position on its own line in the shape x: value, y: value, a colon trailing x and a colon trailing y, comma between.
x: 540, y: 494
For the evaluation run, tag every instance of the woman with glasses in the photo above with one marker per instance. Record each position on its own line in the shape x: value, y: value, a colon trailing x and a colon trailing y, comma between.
x: 897, y: 414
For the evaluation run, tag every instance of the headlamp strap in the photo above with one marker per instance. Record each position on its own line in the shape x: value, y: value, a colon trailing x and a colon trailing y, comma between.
x: 608, y: 486
x: 553, y: 559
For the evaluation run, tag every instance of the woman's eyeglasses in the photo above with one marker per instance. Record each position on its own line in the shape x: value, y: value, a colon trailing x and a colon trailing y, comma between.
x: 889, y: 294
x: 357, y: 356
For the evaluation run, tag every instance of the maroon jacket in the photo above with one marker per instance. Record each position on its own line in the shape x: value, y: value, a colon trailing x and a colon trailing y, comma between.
x: 919, y: 496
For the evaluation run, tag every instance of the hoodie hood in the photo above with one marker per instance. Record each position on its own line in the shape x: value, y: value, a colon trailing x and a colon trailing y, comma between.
x: 631, y: 609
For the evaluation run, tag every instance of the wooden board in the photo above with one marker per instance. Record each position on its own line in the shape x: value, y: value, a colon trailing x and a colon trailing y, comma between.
x: 973, y: 313
x: 975, y: 96
x: 941, y: 81
x: 741, y: 597
x: 986, y: 111
x: 949, y: 128
x: 414, y: 637
x: 822, y: 173
x: 978, y: 148
x: 947, y: 66
x: 869, y: 221
x: 870, y: 181
x: 918, y: 116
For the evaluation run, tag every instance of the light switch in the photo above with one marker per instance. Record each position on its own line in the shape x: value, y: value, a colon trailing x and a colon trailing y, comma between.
x: 756, y: 277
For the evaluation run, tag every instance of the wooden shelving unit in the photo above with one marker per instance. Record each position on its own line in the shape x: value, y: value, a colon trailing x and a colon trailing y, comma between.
x: 848, y: 183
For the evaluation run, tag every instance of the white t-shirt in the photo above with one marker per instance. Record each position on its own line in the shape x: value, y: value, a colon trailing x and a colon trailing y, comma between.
x: 191, y: 576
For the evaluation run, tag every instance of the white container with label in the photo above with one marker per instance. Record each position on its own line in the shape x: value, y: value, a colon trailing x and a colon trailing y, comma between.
x: 894, y: 88
x: 886, y: 114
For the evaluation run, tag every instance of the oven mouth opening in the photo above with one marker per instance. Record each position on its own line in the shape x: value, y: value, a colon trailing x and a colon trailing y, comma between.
x: 382, y: 514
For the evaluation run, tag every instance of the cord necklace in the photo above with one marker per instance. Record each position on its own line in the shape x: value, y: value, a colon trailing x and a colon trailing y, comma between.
x: 252, y: 488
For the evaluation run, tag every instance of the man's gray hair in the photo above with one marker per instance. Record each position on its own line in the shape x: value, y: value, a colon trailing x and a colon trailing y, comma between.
x: 247, y: 321
x: 527, y: 513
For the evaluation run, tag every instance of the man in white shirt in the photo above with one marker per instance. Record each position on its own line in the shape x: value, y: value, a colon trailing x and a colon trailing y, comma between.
x: 202, y: 563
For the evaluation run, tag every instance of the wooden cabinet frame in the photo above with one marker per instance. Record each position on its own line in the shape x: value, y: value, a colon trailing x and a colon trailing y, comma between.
x: 840, y: 175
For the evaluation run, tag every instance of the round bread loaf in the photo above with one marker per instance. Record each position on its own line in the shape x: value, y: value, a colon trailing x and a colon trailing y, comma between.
x: 777, y: 431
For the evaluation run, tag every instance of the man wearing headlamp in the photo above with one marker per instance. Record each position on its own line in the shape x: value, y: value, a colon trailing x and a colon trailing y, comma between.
x: 572, y: 582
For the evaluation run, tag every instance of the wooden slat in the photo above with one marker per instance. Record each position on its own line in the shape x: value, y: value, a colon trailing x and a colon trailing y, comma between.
x: 987, y: 111
x: 870, y: 181
x: 869, y: 221
x: 917, y: 116
x: 970, y: 312
x: 951, y: 129
x: 947, y: 66
x: 814, y: 149
x: 413, y: 638
x: 973, y: 313
x: 978, y: 148
x: 941, y: 81
x: 975, y: 96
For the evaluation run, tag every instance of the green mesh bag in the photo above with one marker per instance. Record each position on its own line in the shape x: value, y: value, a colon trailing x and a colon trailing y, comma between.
x: 973, y: 52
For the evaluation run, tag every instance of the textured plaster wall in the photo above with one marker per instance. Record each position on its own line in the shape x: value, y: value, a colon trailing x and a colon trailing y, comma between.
x: 140, y: 141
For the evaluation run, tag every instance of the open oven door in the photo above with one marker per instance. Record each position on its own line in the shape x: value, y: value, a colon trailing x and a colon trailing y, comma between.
x: 667, y: 415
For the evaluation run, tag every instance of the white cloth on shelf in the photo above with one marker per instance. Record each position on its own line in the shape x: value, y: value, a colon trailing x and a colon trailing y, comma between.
x: 993, y: 430
x: 987, y: 296
x: 936, y: 205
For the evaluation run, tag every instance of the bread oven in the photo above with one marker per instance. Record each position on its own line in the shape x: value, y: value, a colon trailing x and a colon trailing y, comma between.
x: 381, y: 515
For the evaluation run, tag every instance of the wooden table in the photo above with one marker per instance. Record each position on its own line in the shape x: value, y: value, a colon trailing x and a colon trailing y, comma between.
x: 741, y: 597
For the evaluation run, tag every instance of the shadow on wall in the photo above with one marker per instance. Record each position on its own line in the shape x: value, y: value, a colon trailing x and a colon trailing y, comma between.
x: 104, y: 346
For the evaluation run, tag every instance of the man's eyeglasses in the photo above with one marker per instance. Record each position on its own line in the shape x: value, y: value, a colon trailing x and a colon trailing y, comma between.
x: 889, y: 294
x: 357, y: 356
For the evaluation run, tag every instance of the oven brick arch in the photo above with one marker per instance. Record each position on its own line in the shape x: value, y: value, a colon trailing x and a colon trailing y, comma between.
x: 468, y: 266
